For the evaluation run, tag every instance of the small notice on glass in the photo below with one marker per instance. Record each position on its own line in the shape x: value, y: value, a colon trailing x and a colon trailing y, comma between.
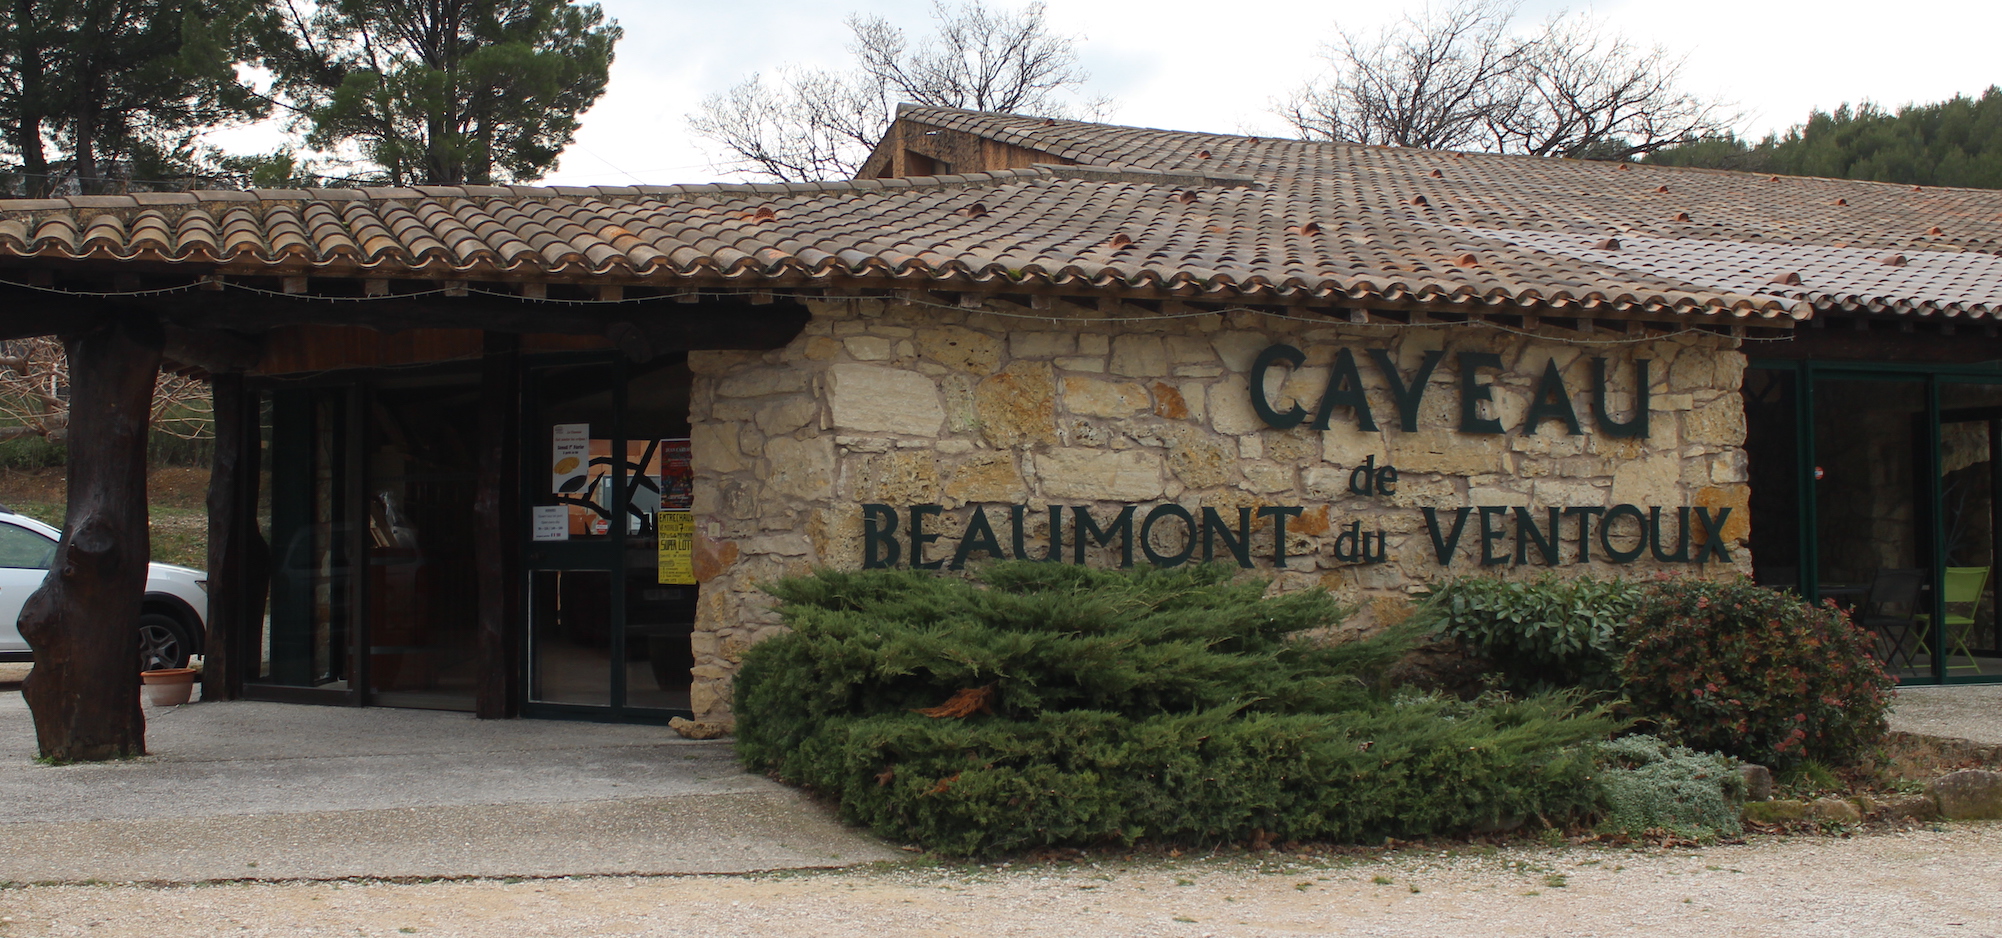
x: 677, y: 547
x: 551, y: 523
x: 569, y: 457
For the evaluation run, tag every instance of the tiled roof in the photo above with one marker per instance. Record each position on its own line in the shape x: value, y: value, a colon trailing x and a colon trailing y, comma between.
x: 1147, y: 213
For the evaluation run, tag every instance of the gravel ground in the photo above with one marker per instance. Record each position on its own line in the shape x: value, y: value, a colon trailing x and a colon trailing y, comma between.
x: 1932, y: 882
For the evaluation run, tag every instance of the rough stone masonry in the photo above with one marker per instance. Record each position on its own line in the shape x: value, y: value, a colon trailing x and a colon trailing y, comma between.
x: 1093, y: 412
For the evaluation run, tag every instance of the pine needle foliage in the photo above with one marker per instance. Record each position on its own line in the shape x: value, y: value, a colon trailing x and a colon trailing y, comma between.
x: 1178, y: 705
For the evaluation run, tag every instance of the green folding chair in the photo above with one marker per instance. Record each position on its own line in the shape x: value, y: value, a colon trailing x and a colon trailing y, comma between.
x: 1961, y: 586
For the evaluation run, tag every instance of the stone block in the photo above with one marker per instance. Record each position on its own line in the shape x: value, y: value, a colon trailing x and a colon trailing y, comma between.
x: 1190, y: 350
x: 1720, y: 423
x: 986, y: 477
x: 699, y: 729
x: 1738, y: 498
x: 1096, y: 475
x: 759, y: 382
x: 1909, y: 808
x: 870, y: 348
x: 1834, y: 810
x: 1230, y: 407
x: 1041, y: 344
x: 1968, y: 795
x: 1201, y: 461
x: 712, y: 448
x: 1239, y: 349
x: 1758, y: 782
x: 802, y: 469
x: 1169, y: 403
x: 1447, y: 452
x: 1018, y: 406
x: 960, y: 348
x: 1139, y: 356
x: 1655, y: 480
x: 891, y: 400
x: 1093, y: 364
x: 1776, y: 812
x: 1092, y: 343
x: 1096, y: 397
x: 787, y: 415
x: 902, y: 477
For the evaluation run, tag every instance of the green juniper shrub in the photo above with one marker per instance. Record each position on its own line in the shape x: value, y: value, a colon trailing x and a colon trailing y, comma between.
x: 1753, y: 673
x: 1540, y: 634
x: 1650, y: 784
x: 1044, y: 704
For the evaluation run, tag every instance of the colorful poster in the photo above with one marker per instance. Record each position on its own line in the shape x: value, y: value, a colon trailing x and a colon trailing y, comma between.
x: 677, y: 547
x: 569, y: 458
x: 677, y: 476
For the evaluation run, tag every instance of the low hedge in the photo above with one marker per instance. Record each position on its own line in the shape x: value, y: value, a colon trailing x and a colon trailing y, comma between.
x: 1045, y: 704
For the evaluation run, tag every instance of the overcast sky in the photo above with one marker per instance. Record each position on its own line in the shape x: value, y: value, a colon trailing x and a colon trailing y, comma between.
x: 1216, y: 66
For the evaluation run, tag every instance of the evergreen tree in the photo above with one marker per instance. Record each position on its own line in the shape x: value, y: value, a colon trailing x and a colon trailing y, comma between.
x: 1951, y: 143
x: 95, y: 89
x: 443, y: 92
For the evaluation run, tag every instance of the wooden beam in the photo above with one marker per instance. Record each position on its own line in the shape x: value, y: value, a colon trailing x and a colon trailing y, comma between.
x: 83, y: 621
x: 212, y: 350
x: 237, y: 558
x: 495, y: 561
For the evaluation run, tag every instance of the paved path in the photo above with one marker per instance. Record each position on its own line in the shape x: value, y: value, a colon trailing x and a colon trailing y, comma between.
x: 282, y: 791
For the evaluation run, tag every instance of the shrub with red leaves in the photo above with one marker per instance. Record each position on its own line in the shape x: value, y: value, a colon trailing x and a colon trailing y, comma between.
x: 1753, y: 673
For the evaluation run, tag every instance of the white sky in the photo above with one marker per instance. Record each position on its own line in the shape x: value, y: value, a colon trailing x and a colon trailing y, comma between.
x: 1216, y: 66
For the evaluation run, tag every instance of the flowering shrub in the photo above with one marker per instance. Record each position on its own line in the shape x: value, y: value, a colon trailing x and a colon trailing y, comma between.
x: 1753, y: 673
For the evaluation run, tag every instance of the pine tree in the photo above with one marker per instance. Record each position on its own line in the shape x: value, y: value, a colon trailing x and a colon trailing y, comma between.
x: 443, y: 92
x: 1950, y: 143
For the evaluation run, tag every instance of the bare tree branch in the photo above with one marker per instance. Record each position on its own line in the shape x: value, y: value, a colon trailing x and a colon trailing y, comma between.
x: 34, y: 395
x: 811, y: 124
x: 1456, y: 79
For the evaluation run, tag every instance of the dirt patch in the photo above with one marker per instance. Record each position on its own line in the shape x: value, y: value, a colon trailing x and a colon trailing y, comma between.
x: 171, y: 486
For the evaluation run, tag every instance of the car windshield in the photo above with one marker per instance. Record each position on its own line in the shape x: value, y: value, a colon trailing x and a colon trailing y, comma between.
x: 20, y: 547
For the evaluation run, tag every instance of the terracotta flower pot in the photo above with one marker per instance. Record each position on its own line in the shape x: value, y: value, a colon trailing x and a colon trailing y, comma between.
x: 167, y: 687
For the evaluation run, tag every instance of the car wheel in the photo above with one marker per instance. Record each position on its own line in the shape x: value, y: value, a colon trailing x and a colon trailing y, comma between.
x: 163, y: 642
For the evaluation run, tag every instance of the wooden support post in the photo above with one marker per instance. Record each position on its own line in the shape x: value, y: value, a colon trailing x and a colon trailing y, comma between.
x: 83, y: 622
x: 238, y: 557
x: 495, y: 511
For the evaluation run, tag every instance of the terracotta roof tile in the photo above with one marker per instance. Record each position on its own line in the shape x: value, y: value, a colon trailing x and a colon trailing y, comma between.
x: 1146, y: 212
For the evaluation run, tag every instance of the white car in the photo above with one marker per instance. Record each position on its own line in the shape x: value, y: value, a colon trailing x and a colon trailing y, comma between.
x: 173, y: 620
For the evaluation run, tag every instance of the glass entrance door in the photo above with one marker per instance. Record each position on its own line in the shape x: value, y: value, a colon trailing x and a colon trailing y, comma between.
x: 1873, y: 527
x: 607, y: 639
x: 1966, y: 640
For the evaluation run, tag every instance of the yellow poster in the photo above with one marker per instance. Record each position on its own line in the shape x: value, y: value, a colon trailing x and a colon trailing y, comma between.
x: 677, y: 546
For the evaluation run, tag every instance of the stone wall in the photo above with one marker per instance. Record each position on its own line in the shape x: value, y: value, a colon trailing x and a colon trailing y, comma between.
x: 897, y: 404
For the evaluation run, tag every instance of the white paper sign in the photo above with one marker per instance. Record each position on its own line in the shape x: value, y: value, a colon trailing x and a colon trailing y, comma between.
x: 569, y: 457
x: 551, y: 523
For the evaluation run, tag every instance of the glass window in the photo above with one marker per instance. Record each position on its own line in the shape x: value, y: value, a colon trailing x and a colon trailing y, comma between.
x: 25, y: 549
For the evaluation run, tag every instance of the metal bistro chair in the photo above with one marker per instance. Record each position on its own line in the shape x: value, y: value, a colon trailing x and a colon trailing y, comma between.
x: 1962, y: 585
x: 1891, y: 611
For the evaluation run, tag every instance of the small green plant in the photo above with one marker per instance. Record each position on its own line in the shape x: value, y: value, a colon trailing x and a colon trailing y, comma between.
x: 1381, y: 880
x: 1540, y: 634
x: 1810, y: 776
x: 1649, y: 784
x: 1555, y: 880
x: 1750, y: 672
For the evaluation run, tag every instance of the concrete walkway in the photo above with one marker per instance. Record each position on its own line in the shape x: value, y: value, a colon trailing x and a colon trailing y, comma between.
x: 263, y: 791
x: 249, y: 790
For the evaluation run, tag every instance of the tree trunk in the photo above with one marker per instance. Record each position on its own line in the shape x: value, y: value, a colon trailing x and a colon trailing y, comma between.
x: 83, y: 622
